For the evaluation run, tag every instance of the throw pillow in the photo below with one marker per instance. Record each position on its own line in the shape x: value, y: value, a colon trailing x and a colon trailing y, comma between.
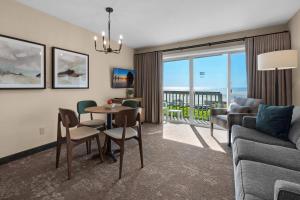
x: 236, y: 108
x: 274, y: 120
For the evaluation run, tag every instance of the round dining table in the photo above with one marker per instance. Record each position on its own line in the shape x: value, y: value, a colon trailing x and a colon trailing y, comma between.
x: 109, y: 112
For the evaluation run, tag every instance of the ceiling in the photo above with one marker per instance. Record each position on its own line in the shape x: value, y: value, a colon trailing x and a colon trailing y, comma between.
x: 145, y: 23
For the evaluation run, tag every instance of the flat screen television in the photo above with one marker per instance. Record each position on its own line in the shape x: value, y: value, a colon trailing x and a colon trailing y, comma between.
x: 123, y: 78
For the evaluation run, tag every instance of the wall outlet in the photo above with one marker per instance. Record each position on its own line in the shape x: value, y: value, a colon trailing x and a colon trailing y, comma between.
x: 42, y: 131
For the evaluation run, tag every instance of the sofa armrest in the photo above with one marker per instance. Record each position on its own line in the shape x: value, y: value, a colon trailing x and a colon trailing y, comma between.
x: 249, y: 122
x: 285, y: 190
x: 218, y: 111
x: 236, y: 118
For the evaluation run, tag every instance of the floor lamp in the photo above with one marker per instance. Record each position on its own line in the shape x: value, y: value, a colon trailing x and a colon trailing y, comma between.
x: 277, y: 60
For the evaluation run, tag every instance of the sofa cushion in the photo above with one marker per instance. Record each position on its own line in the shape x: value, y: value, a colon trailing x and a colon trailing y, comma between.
x: 254, y: 135
x: 253, y: 104
x: 294, y: 133
x: 236, y: 108
x: 265, y: 153
x: 258, y: 179
x: 274, y: 120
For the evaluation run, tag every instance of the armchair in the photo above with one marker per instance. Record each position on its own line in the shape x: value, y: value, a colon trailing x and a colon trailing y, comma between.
x: 234, y: 114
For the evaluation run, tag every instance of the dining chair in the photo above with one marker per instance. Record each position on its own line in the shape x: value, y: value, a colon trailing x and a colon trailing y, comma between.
x: 130, y: 103
x: 129, y: 127
x: 75, y: 134
x: 94, y: 123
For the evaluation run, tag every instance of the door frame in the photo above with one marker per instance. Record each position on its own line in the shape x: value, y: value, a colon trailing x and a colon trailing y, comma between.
x: 202, y: 54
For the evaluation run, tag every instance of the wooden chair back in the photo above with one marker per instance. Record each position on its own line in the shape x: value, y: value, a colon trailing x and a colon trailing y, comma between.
x: 127, y: 118
x: 68, y: 118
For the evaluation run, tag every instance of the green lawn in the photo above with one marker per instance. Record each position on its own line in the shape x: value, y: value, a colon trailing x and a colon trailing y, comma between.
x: 199, y: 114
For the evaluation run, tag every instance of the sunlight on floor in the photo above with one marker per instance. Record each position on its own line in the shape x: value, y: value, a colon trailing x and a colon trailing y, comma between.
x: 194, y: 135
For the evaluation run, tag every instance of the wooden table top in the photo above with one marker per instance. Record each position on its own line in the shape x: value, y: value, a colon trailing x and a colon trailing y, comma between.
x: 104, y: 110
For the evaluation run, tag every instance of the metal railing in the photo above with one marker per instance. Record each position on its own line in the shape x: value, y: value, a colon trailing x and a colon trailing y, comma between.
x: 203, y: 101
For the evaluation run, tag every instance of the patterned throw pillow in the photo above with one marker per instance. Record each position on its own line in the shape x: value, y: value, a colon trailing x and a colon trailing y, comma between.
x: 274, y: 120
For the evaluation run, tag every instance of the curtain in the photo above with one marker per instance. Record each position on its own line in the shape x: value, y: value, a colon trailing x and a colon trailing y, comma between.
x: 148, y: 84
x: 261, y: 84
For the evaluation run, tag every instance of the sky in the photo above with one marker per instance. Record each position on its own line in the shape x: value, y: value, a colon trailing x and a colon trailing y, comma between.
x: 209, y: 72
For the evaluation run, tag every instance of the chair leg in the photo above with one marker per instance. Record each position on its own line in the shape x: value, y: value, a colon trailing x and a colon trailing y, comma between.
x: 99, y: 148
x: 141, y: 152
x: 69, y: 158
x: 105, y: 144
x: 121, y: 160
x: 211, y: 129
x: 58, y: 147
x: 229, y: 138
x: 87, y: 147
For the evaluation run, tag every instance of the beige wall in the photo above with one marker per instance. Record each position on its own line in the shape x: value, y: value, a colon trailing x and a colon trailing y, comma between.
x: 294, y: 26
x: 24, y: 112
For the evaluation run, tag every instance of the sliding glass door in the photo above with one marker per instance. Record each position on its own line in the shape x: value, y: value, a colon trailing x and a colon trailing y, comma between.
x: 195, y: 84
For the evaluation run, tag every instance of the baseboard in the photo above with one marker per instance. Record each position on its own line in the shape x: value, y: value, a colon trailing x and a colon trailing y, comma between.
x: 26, y: 153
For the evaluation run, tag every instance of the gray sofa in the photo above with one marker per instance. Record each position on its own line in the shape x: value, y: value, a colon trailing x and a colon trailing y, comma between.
x: 265, y: 167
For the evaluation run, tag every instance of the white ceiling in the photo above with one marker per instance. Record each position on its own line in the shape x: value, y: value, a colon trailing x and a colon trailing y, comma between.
x: 145, y: 23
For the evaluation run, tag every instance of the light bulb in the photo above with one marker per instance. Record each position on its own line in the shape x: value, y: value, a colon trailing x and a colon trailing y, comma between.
x: 95, y: 38
x: 120, y: 41
x: 104, y: 42
x: 121, y: 37
x: 103, y: 33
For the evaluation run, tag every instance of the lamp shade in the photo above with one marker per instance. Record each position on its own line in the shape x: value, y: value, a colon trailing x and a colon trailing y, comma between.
x: 285, y: 59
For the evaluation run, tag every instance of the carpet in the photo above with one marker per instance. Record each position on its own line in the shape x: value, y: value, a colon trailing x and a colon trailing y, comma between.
x: 182, y: 162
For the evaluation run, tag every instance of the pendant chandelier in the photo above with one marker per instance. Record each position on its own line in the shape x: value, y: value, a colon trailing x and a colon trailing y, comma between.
x: 106, y: 44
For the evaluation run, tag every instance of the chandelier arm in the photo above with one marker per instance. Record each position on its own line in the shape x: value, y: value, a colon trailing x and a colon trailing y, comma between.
x: 108, y: 29
x: 104, y: 46
x: 103, y: 51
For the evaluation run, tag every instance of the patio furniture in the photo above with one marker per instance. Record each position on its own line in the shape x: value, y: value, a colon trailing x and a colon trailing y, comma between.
x: 178, y: 113
x: 227, y: 117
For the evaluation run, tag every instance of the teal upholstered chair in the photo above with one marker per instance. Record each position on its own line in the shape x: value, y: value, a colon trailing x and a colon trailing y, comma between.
x: 130, y: 103
x: 93, y: 123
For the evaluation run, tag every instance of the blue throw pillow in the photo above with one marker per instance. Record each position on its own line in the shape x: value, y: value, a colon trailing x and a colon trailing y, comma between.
x: 274, y: 120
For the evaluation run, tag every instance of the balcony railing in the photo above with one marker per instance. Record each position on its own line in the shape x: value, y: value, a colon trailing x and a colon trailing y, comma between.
x: 203, y: 102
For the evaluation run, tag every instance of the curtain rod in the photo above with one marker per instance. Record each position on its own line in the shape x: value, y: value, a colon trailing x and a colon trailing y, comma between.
x: 216, y: 43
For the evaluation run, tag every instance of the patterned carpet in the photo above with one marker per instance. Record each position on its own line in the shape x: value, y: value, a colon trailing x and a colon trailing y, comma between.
x: 181, y: 162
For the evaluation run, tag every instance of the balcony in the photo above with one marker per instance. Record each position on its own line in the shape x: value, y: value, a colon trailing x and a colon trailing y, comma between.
x: 203, y: 102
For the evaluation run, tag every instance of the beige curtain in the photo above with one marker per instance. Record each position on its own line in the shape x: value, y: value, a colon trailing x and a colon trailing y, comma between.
x: 148, y: 84
x: 261, y: 84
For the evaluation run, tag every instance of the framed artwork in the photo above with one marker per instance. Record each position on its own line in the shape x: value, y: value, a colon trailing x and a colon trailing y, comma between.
x: 70, y: 69
x: 123, y: 78
x: 22, y: 64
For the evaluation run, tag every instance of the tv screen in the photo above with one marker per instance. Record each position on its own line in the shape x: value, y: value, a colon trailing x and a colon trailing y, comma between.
x: 123, y: 78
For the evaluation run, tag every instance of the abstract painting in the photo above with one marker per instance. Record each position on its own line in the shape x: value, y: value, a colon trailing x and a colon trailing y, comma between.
x: 70, y: 69
x: 22, y: 64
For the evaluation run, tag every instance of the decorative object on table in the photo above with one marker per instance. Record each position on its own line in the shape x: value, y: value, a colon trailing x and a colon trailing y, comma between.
x: 123, y: 78
x: 274, y: 120
x: 277, y: 60
x: 227, y: 118
x: 70, y: 69
x: 22, y: 64
x: 110, y: 104
x: 129, y: 123
x: 108, y: 49
x: 129, y: 93
x: 74, y: 135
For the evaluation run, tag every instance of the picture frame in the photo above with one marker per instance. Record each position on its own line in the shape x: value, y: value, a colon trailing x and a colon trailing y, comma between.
x: 22, y: 64
x: 122, y: 78
x: 70, y: 69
